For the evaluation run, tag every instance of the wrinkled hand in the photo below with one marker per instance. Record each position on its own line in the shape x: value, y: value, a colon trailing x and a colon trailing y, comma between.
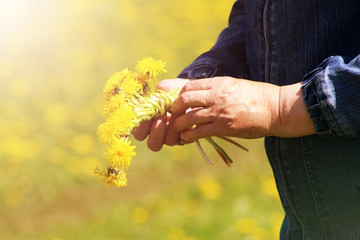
x: 160, y: 131
x: 225, y: 106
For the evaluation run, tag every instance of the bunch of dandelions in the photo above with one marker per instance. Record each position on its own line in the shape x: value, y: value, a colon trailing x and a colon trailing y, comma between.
x: 132, y: 97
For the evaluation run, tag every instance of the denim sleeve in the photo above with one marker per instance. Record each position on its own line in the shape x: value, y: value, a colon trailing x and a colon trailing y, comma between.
x: 332, y: 97
x: 227, y: 57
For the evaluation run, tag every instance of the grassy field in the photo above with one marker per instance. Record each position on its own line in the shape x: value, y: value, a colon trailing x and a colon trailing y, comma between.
x: 55, y: 57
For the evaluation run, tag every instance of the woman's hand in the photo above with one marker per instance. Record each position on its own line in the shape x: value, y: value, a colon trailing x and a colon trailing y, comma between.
x: 225, y: 106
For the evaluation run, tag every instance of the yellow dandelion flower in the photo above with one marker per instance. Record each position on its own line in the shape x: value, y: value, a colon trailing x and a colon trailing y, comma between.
x: 119, y: 124
x: 120, y: 154
x: 130, y: 86
x: 112, y: 177
x: 112, y: 86
x: 124, y: 119
x: 113, y: 104
x: 151, y: 67
x: 107, y: 132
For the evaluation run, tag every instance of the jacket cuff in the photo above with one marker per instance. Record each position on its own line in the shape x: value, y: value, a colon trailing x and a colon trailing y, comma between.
x: 320, y: 99
x: 314, y: 107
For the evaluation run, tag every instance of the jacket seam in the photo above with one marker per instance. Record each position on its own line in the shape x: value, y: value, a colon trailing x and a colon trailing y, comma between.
x: 266, y: 29
x: 313, y: 194
x: 286, y: 191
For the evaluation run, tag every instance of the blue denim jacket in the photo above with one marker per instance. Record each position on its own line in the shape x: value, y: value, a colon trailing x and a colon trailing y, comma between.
x: 316, y: 42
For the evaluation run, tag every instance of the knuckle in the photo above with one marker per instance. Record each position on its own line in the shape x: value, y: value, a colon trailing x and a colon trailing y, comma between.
x: 224, y: 112
x: 223, y: 97
x: 212, y: 113
x: 186, y: 87
x: 210, y: 96
x: 190, y: 117
x: 184, y: 98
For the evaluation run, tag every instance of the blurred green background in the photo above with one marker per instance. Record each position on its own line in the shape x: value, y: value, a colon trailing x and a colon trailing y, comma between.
x: 55, y: 57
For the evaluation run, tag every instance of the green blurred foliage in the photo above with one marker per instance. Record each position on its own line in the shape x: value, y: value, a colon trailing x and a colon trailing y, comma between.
x: 55, y: 57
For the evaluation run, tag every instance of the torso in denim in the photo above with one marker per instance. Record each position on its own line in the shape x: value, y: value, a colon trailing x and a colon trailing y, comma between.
x: 316, y: 42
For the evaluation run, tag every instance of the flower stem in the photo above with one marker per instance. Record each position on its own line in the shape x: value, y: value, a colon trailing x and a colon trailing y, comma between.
x: 202, y: 152
x: 221, y: 151
x: 233, y: 142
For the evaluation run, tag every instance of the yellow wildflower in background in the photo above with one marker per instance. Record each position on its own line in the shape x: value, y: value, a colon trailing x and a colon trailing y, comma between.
x: 208, y: 186
x: 140, y: 215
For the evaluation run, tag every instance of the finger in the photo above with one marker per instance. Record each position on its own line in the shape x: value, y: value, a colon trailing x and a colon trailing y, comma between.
x: 157, y: 134
x: 193, y: 117
x: 183, y: 142
x: 142, y: 131
x: 192, y: 99
x: 199, y: 84
x: 172, y: 137
x: 201, y: 131
x: 170, y: 84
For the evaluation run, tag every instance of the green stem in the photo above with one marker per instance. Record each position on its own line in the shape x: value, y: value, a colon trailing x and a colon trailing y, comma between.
x: 223, y: 158
x: 219, y: 149
x: 233, y: 142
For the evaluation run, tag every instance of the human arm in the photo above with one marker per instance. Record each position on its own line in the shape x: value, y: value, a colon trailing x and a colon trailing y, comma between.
x: 326, y: 103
